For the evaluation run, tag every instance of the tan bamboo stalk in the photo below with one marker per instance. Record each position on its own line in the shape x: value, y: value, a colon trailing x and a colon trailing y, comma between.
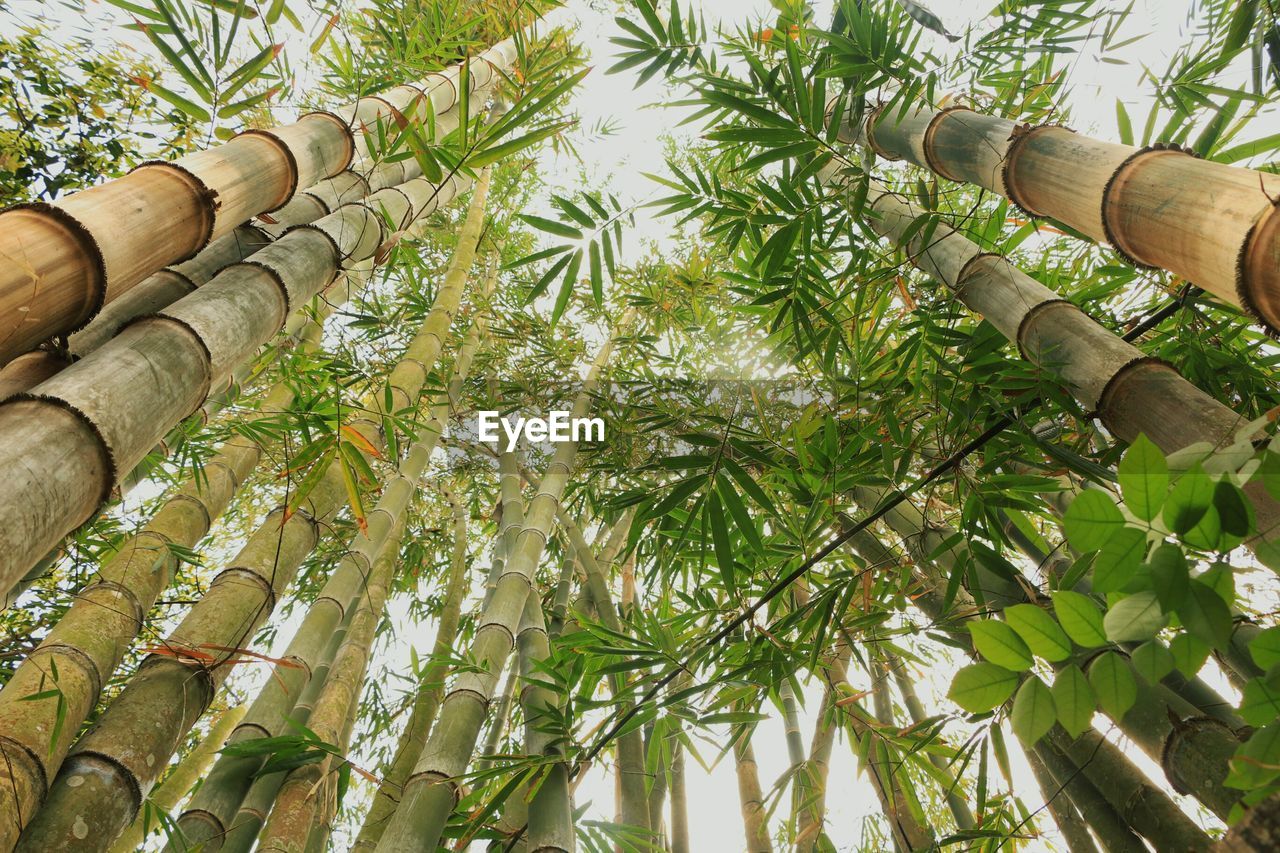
x: 1159, y: 206
x: 1259, y: 829
x: 811, y: 779
x: 306, y: 789
x: 67, y: 259
x: 92, y: 637
x: 679, y: 801
x: 63, y: 448
x: 1146, y: 809
x: 163, y: 700
x: 178, y: 783
x: 755, y: 819
x: 1075, y: 832
x: 1131, y: 393
x: 206, y: 819
x: 431, y: 792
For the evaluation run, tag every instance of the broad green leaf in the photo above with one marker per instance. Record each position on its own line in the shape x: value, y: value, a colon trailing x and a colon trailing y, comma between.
x: 1257, y: 761
x: 982, y: 687
x: 1170, y: 577
x: 998, y: 643
x: 1113, y: 683
x: 1080, y: 617
x: 1188, y: 653
x: 1144, y: 477
x: 1152, y: 660
x: 1261, y: 702
x: 1119, y: 560
x: 1265, y: 648
x: 1033, y: 711
x: 1038, y: 630
x: 1206, y: 616
x: 1135, y: 619
x: 551, y: 226
x: 1189, y: 500
x: 1074, y: 700
x: 1091, y: 520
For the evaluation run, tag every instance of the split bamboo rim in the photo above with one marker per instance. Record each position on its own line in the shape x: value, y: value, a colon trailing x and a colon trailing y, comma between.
x: 1258, y: 270
x: 1024, y: 135
x: 1115, y: 385
x: 930, y: 132
x: 432, y: 778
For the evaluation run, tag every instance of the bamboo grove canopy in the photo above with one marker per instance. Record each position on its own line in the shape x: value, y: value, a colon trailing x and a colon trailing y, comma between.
x: 922, y: 489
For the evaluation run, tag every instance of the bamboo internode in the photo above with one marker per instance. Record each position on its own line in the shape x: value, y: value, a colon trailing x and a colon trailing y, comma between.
x: 1216, y: 226
x: 72, y: 437
x: 64, y: 261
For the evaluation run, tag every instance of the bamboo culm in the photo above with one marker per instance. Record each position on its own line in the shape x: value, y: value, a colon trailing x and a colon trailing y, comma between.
x: 1214, y: 225
x: 88, y: 249
x: 163, y: 700
x: 431, y: 792
x: 90, y: 640
x: 70, y: 440
x: 207, y: 818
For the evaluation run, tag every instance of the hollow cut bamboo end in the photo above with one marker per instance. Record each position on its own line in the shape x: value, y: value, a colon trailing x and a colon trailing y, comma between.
x: 53, y: 279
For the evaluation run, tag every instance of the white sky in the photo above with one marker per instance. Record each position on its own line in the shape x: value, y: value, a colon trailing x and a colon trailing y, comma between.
x: 619, y: 161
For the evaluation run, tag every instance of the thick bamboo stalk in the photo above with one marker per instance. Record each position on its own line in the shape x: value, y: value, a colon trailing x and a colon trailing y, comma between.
x: 243, y: 832
x: 755, y: 819
x: 431, y: 792
x: 1075, y: 832
x: 64, y: 446
x: 206, y: 819
x: 164, y: 700
x: 1159, y: 206
x: 170, y: 284
x: 1193, y: 752
x: 1131, y: 393
x: 426, y: 700
x: 550, y: 828
x: 64, y: 261
x: 306, y: 789
x: 178, y: 783
x: 679, y: 802
x: 92, y: 637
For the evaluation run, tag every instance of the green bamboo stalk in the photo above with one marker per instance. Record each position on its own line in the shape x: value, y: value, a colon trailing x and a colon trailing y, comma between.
x: 308, y: 790
x: 956, y: 801
x: 206, y: 819
x: 1146, y: 809
x: 242, y: 835
x: 163, y: 700
x: 431, y: 792
x: 791, y: 724
x: 550, y: 820
x: 1072, y: 825
x: 92, y: 246
x: 90, y: 640
x: 177, y: 784
x: 679, y: 802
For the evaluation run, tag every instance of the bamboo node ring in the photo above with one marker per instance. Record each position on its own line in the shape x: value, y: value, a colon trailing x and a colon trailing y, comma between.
x: 116, y: 765
x: 1257, y: 281
x: 106, y: 455
x: 1018, y: 139
x: 935, y: 165
x: 290, y: 160
x: 1028, y: 318
x: 1114, y: 234
x: 206, y: 195
x: 1112, y: 387
x: 10, y: 749
x: 346, y: 132
x: 873, y: 118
